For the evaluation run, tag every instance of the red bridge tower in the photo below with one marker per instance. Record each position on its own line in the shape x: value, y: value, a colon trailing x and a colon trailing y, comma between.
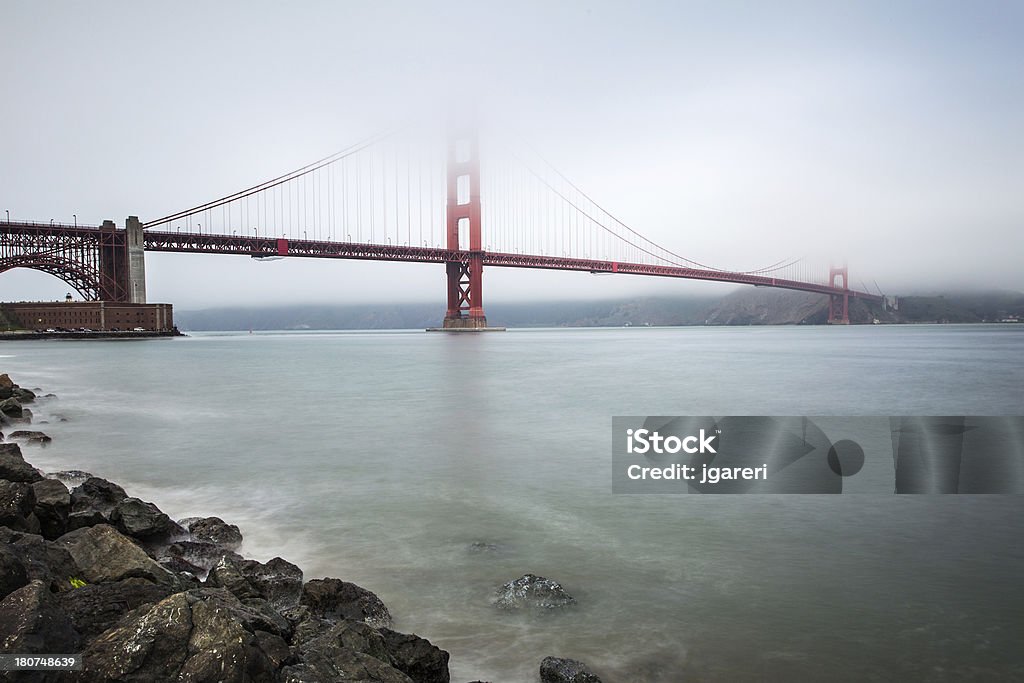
x: 465, y: 276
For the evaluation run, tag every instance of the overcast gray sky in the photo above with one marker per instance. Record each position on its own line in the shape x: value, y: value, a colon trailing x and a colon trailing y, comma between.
x: 889, y: 133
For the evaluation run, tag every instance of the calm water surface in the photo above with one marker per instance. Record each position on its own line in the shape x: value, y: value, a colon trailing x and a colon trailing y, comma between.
x: 380, y: 457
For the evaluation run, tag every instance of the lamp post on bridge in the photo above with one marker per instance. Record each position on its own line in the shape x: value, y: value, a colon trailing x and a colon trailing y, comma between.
x: 8, y: 215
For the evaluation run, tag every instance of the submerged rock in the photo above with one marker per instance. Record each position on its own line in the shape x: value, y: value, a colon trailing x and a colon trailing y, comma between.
x: 334, y: 600
x: 532, y: 592
x: 557, y: 670
x: 34, y: 438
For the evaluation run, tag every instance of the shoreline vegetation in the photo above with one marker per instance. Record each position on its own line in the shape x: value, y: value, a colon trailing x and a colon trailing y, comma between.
x: 85, y: 568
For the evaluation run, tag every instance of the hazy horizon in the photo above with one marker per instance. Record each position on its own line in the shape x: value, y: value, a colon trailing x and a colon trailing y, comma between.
x: 887, y: 135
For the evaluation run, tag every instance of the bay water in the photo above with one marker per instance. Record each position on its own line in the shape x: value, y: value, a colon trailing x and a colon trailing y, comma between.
x: 432, y: 468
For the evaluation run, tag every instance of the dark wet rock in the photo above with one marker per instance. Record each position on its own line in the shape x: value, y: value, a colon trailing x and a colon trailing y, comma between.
x: 483, y: 547
x: 70, y: 478
x: 31, y: 622
x: 305, y: 625
x: 33, y: 438
x: 215, y: 530
x: 95, y: 494
x: 24, y: 395
x: 353, y: 635
x: 13, y: 466
x: 203, y: 556
x: 84, y: 519
x: 277, y: 581
x: 557, y: 670
x: 327, y: 660
x: 11, y: 407
x: 25, y: 419
x: 275, y: 648
x: 6, y: 383
x: 12, y: 572
x: 51, y: 395
x: 53, y: 503
x: 142, y: 520
x: 103, y: 554
x: 334, y: 599
x: 44, y: 560
x: 532, y: 592
x: 228, y: 575
x: 198, y: 635
x: 262, y: 615
x: 416, y: 657
x: 181, y: 566
x: 17, y: 501
x: 94, y: 608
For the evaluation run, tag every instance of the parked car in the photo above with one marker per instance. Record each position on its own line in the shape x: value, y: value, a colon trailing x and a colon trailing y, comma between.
x: 138, y: 329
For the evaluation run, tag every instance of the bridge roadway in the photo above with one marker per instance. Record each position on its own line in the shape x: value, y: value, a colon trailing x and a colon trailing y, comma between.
x: 262, y: 247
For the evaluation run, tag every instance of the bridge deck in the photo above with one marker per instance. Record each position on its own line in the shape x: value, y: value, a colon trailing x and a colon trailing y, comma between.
x: 258, y: 247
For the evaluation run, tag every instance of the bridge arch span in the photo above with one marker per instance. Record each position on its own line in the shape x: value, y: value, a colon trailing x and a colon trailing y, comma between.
x: 79, y: 276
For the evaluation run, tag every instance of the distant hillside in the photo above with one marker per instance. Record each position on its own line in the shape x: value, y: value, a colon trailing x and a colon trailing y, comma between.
x: 747, y: 306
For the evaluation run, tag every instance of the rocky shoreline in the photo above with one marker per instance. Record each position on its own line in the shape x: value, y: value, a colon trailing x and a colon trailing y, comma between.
x: 87, y: 569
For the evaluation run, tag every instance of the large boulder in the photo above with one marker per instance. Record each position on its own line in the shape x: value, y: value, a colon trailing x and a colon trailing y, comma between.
x: 201, y: 556
x: 94, y: 608
x: 532, y: 592
x: 24, y: 395
x: 11, y: 407
x: 31, y: 622
x: 331, y: 664
x: 142, y: 520
x: 53, y: 503
x: 13, y: 466
x: 215, y: 530
x: 416, y: 657
x: 334, y: 600
x: 17, y: 501
x: 199, y: 635
x: 12, y: 572
x: 44, y: 560
x: 103, y: 554
x: 96, y: 495
x: 558, y: 670
x: 277, y: 581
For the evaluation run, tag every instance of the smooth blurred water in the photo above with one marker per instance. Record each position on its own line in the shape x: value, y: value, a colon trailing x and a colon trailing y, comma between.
x: 380, y: 457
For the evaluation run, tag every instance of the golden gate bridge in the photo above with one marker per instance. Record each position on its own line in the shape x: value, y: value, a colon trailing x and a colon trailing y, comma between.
x: 465, y: 202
